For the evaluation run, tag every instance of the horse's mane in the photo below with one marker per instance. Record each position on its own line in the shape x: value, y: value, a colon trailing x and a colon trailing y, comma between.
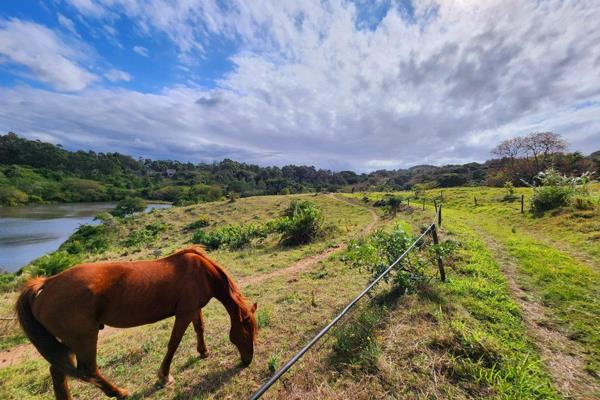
x: 228, y: 282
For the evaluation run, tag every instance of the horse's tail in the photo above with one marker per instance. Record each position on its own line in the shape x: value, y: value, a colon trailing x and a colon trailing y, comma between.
x: 55, y: 352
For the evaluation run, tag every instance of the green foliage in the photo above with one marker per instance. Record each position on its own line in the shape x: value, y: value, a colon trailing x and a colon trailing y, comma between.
x: 510, y: 191
x: 302, y: 223
x: 128, y: 206
x: 87, y: 238
x: 8, y: 282
x: 263, y: 317
x: 12, y: 196
x: 375, y: 253
x: 52, y: 264
x: 233, y: 237
x: 273, y: 362
x: 147, y: 235
x: 555, y: 191
x: 355, y: 342
x: 201, y: 222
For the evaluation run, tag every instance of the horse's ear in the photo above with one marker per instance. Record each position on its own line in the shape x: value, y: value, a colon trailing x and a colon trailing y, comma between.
x: 254, y: 306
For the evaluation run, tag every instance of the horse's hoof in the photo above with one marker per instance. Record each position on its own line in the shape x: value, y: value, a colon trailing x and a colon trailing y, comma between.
x: 204, y: 354
x: 165, y: 380
x: 122, y: 394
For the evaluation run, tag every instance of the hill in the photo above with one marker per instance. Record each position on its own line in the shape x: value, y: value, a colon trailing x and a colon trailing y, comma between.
x: 32, y: 171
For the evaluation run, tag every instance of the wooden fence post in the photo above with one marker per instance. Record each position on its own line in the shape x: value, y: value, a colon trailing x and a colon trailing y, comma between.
x: 439, y: 215
x: 522, y: 203
x: 439, y: 258
x: 423, y: 204
x: 441, y: 195
x: 475, y: 200
x: 408, y: 201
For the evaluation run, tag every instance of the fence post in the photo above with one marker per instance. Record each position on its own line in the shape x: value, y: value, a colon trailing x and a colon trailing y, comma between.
x: 423, y: 204
x: 408, y: 201
x: 475, y: 200
x: 522, y: 203
x: 439, y: 258
x: 441, y: 195
x: 439, y: 215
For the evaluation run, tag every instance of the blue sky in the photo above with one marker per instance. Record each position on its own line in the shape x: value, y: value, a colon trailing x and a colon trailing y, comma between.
x: 335, y: 83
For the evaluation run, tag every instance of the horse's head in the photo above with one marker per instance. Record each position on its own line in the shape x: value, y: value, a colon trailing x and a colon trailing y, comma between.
x: 243, y: 334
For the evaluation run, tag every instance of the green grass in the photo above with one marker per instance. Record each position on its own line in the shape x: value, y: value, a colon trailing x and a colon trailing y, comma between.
x: 569, y: 289
x: 464, y: 339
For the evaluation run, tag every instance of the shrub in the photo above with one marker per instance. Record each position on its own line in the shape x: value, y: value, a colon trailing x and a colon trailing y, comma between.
x: 202, y: 222
x: 12, y: 196
x: 302, y: 223
x: 510, y: 192
x: 52, y: 264
x: 90, y: 238
x: 233, y: 237
x: 549, y: 197
x: 555, y: 191
x: 146, y: 235
x: 375, y: 253
x: 583, y: 202
x: 128, y: 206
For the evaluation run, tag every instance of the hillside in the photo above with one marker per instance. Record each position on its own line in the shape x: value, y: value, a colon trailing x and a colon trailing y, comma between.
x: 516, y: 319
x: 32, y: 171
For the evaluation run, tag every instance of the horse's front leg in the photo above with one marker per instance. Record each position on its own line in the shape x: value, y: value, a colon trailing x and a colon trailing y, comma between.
x: 181, y: 324
x: 199, y: 328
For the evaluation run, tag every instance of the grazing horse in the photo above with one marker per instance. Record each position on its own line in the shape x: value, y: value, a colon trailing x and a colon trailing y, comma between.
x: 62, y: 315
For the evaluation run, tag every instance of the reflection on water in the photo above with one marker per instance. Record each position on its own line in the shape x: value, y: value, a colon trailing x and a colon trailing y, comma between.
x: 31, y: 231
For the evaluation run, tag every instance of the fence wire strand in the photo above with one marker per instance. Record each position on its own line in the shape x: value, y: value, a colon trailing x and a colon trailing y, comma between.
x: 326, y: 329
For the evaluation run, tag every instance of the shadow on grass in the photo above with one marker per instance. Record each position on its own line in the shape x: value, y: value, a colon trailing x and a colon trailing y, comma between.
x: 209, y: 383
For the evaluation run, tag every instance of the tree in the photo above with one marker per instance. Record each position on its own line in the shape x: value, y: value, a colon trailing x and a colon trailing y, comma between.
x: 128, y: 206
x: 542, y: 146
x: 511, y: 149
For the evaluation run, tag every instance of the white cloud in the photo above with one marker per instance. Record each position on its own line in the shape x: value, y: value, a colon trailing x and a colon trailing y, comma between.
x: 312, y: 84
x: 142, y: 51
x: 68, y: 24
x: 46, y: 56
x: 115, y: 75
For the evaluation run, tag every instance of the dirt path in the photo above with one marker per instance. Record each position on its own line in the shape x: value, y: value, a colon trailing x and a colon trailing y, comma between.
x: 561, y: 356
x: 14, y: 355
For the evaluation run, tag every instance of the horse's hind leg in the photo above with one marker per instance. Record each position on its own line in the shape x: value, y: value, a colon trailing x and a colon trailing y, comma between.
x: 181, y: 324
x: 199, y: 328
x: 59, y: 382
x: 85, y: 351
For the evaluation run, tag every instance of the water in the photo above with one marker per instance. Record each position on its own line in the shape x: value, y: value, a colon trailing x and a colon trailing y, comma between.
x: 29, y: 232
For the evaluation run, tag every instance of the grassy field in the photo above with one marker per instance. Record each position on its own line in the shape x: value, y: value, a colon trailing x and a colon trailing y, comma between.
x: 520, y: 303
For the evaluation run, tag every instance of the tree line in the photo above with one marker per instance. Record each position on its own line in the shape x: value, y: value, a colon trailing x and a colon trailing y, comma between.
x: 34, y: 171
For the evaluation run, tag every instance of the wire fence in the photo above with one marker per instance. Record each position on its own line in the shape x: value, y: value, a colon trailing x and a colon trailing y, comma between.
x: 431, y: 229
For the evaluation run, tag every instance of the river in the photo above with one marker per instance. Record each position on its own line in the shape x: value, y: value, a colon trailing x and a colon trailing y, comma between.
x: 29, y: 232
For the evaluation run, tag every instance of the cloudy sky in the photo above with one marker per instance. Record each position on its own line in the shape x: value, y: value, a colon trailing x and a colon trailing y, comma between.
x: 348, y: 84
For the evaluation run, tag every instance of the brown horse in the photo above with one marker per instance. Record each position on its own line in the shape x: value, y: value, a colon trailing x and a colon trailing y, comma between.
x: 62, y: 315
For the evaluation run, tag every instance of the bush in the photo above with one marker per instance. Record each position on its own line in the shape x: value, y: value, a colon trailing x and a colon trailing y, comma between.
x: 90, y: 238
x: 12, y: 196
x: 52, y: 264
x: 302, y: 223
x: 583, y: 202
x: 233, y: 237
x: 375, y: 253
x: 128, y: 206
x: 510, y: 192
x: 555, y: 191
x: 202, y: 222
x: 146, y: 235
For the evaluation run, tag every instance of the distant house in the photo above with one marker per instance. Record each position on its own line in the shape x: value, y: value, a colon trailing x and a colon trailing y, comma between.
x: 169, y: 172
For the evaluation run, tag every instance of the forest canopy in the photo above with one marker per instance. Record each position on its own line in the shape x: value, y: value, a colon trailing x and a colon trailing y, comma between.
x: 32, y: 171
